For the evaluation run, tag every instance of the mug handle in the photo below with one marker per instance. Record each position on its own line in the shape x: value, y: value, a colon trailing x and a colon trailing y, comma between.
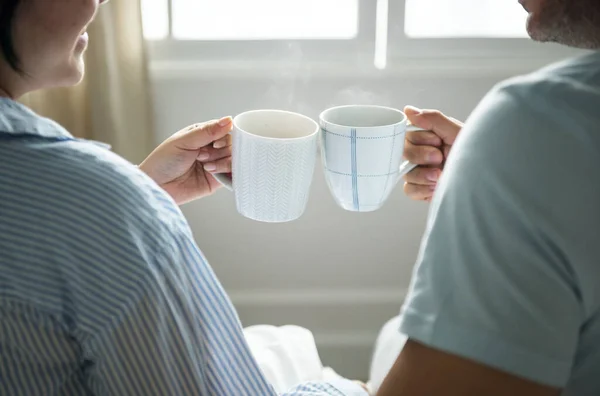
x: 225, y: 179
x: 406, y: 166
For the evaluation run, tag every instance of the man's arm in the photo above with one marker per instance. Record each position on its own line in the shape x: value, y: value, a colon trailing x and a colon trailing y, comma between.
x: 495, y: 305
x: 421, y: 370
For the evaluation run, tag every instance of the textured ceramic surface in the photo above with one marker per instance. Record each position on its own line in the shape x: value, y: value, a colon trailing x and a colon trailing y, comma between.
x: 272, y: 178
x: 273, y: 162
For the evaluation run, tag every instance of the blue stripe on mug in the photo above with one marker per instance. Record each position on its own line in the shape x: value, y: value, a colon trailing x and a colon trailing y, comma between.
x: 355, y: 202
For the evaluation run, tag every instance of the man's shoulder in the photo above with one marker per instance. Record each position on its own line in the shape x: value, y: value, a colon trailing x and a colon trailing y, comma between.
x: 557, y: 105
x: 566, y: 89
x: 538, y: 122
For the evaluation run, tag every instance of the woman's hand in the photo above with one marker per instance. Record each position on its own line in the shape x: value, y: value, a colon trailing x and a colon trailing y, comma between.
x: 183, y: 164
x: 429, y: 150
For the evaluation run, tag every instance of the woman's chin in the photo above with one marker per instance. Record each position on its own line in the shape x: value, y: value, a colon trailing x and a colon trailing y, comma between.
x: 77, y: 71
x: 72, y: 75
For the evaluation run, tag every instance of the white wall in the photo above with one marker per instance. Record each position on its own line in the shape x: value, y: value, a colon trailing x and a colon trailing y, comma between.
x: 340, y: 274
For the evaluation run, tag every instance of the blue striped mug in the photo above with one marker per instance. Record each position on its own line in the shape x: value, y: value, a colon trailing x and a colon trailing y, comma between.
x: 361, y: 151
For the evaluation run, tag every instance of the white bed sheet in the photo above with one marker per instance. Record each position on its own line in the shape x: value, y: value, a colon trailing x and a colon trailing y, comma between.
x: 288, y: 355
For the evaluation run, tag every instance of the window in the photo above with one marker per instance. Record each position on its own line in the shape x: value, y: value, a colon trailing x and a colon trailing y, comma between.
x: 205, y: 30
x: 465, y: 18
x: 361, y: 34
x: 467, y: 35
x: 155, y: 17
x: 264, y: 19
x: 251, y: 20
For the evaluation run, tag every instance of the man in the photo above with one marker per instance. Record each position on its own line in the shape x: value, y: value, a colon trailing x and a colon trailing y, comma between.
x: 505, y: 298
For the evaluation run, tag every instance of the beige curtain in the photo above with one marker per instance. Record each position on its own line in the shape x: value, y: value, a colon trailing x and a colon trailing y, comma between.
x: 113, y: 103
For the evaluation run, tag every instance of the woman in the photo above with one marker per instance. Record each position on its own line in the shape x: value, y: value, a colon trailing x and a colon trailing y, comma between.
x: 102, y: 287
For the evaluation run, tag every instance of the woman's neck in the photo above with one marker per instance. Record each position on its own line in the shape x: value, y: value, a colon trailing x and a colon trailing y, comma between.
x: 4, y: 93
x: 11, y: 83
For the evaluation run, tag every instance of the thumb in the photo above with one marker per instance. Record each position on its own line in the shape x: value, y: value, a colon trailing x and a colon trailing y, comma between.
x: 433, y: 120
x: 413, y: 113
x: 197, y: 136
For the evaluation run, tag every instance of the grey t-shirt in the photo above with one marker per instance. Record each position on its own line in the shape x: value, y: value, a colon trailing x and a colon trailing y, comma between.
x: 509, y: 269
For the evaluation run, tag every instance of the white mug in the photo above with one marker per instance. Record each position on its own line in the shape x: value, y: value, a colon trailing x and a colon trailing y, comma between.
x: 273, y: 162
x: 361, y: 150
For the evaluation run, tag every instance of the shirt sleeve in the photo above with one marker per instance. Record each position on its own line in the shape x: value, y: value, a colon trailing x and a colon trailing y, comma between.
x: 162, y: 323
x: 495, y: 279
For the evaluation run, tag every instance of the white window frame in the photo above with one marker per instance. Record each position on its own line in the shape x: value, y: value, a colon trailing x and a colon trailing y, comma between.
x: 381, y: 48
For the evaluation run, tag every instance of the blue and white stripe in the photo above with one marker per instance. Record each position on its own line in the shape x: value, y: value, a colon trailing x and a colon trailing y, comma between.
x: 390, y: 171
x: 102, y: 288
x: 354, y: 170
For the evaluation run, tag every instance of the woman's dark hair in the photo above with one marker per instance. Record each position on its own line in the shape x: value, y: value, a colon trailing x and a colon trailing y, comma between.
x: 7, y: 49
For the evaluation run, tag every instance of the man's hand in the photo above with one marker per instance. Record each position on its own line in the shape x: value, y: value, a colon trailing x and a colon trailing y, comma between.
x: 182, y: 164
x: 429, y: 150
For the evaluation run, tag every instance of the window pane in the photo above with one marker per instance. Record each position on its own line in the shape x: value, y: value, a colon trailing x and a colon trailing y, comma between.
x: 465, y: 18
x: 155, y: 17
x: 264, y: 19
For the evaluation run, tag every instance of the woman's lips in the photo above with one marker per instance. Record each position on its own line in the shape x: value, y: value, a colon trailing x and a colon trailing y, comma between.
x: 82, y: 41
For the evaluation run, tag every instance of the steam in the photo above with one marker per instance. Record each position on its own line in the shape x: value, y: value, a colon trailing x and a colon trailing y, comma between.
x: 291, y: 79
x: 359, y: 96
x: 292, y: 90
